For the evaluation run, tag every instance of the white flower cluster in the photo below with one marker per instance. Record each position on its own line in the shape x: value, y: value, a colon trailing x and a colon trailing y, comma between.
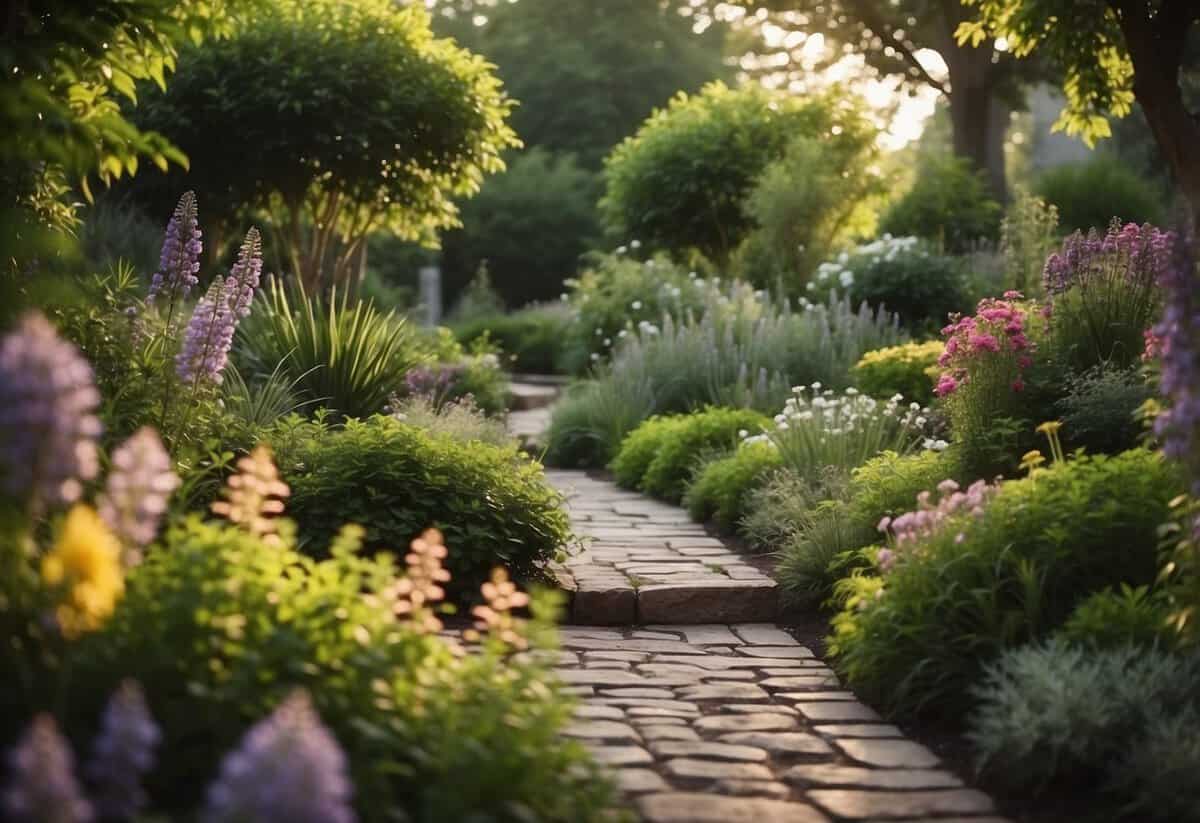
x: 841, y: 271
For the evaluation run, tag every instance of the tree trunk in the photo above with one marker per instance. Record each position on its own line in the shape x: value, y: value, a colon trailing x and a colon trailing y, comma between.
x: 1157, y: 54
x: 979, y: 118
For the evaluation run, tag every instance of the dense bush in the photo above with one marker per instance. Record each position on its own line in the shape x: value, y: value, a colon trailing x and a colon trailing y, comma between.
x: 746, y: 350
x: 681, y: 182
x: 1134, y: 615
x: 720, y: 490
x: 1124, y: 719
x: 904, y: 369
x: 953, y: 603
x: 949, y: 204
x: 900, y: 275
x: 1089, y: 195
x: 530, y: 339
x: 492, y: 503
x: 1099, y: 410
x: 219, y: 626
x: 616, y: 295
x: 676, y: 444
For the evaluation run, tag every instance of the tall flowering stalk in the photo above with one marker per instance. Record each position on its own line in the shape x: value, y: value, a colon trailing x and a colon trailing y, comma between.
x: 179, y: 261
x: 288, y: 767
x: 136, y: 492
x: 41, y: 782
x: 1178, y: 423
x: 123, y: 753
x: 209, y: 335
x: 1103, y: 292
x: 48, y: 425
x: 254, y: 496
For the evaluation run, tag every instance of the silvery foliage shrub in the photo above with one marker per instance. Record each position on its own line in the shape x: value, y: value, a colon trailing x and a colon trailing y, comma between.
x: 744, y: 349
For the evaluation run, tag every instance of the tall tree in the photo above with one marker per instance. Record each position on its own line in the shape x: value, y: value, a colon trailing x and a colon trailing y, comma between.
x: 1109, y: 54
x: 981, y: 86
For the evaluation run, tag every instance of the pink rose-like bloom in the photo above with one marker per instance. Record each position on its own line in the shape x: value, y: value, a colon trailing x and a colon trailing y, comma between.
x: 983, y: 342
x: 945, y: 385
x: 1012, y: 294
x: 1018, y: 385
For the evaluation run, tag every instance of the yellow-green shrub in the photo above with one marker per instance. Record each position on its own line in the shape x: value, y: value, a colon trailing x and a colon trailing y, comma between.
x: 903, y: 369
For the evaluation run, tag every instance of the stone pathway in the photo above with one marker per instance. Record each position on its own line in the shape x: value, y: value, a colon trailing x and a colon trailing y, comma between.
x: 647, y: 562
x: 705, y: 710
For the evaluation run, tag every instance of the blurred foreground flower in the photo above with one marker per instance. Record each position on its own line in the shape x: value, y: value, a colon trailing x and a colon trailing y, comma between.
x: 135, y: 495
x: 288, y: 768
x: 123, y: 753
x: 253, y: 495
x: 41, y: 786
x: 48, y: 427
x: 419, y: 588
x: 85, y: 564
x: 495, y: 616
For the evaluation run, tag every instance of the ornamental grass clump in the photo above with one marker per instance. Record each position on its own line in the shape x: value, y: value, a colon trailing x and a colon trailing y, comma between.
x: 1103, y: 293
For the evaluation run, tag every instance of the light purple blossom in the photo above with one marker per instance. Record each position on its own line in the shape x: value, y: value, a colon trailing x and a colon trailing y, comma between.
x: 1132, y: 253
x: 41, y: 784
x: 180, y: 259
x: 244, y: 276
x: 48, y: 428
x: 123, y: 753
x: 288, y: 767
x: 910, y: 528
x: 135, y: 495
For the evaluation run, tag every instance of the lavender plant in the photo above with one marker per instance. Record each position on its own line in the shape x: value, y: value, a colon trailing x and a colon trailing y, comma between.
x: 137, y: 490
x: 179, y: 262
x: 48, y: 425
x: 289, y: 767
x: 123, y: 752
x: 41, y: 782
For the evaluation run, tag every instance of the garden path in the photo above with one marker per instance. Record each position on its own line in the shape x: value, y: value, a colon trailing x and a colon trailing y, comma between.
x: 702, y: 706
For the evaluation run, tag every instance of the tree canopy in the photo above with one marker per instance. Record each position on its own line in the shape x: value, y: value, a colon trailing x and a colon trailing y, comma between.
x: 337, y: 119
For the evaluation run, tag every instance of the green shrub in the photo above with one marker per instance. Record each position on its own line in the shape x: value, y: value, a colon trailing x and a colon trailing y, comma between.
x: 745, y: 350
x: 820, y: 551
x: 343, y: 354
x: 721, y: 488
x: 492, y: 503
x: 888, y: 485
x: 1089, y: 195
x: 1041, y: 545
x: 531, y: 339
x: 675, y: 444
x: 1058, y: 715
x: 681, y: 182
x: 948, y: 203
x: 1099, y: 410
x: 457, y: 420
x: 639, y: 449
x: 904, y: 369
x: 1028, y: 235
x: 218, y: 627
x: 1129, y: 615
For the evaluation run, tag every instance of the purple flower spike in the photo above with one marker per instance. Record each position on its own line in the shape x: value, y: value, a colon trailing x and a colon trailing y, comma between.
x: 208, y: 337
x: 135, y: 496
x: 180, y: 259
x: 123, y: 753
x: 289, y: 767
x: 48, y: 428
x: 244, y: 276
x: 42, y: 785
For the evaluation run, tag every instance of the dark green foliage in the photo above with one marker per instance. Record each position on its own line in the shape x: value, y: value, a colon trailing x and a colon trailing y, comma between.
x: 219, y: 627
x: 1099, y: 411
x: 344, y: 354
x: 674, y: 445
x: 922, y: 288
x: 821, y: 550
x: 721, y: 488
x: 530, y: 224
x: 1089, y: 195
x: 1041, y: 546
x: 949, y: 204
x: 530, y: 340
x: 681, y: 182
x: 1122, y: 720
x: 492, y: 503
x: 1127, y: 616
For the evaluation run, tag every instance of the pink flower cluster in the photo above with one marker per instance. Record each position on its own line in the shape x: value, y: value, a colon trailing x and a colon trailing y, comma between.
x: 996, y: 328
x: 912, y: 527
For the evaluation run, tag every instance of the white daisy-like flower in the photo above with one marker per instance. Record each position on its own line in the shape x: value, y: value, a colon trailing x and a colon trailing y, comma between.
x: 636, y: 305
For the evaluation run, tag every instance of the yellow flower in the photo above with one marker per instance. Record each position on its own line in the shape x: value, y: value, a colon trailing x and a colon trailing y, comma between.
x: 1049, y: 427
x: 86, y: 564
x: 1031, y: 460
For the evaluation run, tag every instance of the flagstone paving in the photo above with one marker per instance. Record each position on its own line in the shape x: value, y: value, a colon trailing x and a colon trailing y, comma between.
x: 702, y: 707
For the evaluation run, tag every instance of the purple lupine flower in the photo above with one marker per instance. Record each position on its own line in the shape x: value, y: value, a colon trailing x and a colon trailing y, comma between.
x: 244, y: 276
x: 180, y: 259
x: 48, y: 428
x: 289, y: 767
x: 123, y: 753
x: 135, y: 495
x: 1132, y: 253
x: 208, y: 337
x: 41, y: 785
x: 1178, y: 333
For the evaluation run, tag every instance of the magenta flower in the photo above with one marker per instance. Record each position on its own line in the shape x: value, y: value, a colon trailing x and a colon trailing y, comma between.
x: 48, y: 426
